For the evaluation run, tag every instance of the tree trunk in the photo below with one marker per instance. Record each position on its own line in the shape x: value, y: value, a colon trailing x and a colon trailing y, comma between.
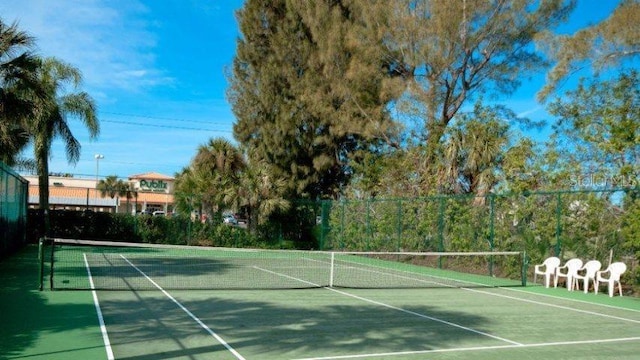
x: 42, y: 159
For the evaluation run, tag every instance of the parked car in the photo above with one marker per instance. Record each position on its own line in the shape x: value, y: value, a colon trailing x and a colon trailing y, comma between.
x: 240, y: 218
x: 229, y: 219
x: 158, y: 213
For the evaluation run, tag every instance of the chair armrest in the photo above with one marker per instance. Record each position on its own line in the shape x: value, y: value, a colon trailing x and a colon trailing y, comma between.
x: 560, y: 267
x: 600, y: 273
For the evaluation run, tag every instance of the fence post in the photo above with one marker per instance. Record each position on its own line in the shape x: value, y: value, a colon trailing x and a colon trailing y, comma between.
x: 323, y: 221
x: 368, y: 225
x: 342, y: 220
x: 441, y: 207
x: 399, y: 230
x: 492, y: 213
x: 491, y: 229
x: 558, y: 222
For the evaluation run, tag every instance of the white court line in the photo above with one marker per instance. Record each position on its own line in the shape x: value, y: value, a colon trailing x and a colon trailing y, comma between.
x: 103, y: 328
x: 526, y: 300
x: 573, y: 300
x: 475, y: 348
x: 505, y: 288
x: 394, y: 307
x: 553, y: 305
x: 533, y: 301
x: 202, y: 324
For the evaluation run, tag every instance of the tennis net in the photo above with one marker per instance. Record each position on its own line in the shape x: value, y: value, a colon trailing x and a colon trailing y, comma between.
x: 85, y: 264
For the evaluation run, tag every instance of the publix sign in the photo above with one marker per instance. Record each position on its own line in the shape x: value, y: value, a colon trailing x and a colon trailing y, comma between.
x: 153, y: 185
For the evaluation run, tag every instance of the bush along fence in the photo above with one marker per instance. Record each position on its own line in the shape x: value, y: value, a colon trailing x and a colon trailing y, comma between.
x: 590, y: 224
x: 176, y: 230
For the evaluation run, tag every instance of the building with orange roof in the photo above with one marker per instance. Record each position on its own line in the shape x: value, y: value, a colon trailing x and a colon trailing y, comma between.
x: 153, y: 192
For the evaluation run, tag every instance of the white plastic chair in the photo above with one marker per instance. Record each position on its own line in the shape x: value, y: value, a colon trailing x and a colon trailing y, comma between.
x: 614, y: 270
x: 547, y: 269
x: 586, y: 273
x: 568, y: 271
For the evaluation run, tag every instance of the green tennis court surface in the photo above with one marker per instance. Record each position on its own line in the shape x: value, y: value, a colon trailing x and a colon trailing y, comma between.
x: 443, y: 322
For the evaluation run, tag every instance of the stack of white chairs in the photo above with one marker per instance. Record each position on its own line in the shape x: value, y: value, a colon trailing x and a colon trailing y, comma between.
x: 567, y: 271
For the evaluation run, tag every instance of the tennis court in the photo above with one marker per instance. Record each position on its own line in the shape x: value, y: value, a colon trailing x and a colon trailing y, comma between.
x: 366, y: 324
x: 293, y: 314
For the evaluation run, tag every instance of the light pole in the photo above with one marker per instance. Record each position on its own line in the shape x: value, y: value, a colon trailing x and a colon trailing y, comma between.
x: 98, y: 157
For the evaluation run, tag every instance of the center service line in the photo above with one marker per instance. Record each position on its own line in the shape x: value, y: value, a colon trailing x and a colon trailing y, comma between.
x: 202, y: 324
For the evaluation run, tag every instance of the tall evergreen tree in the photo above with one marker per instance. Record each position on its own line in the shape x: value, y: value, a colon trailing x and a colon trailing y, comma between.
x: 307, y: 99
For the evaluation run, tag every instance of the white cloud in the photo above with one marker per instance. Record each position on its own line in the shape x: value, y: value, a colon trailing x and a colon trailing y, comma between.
x: 111, y: 42
x: 530, y: 111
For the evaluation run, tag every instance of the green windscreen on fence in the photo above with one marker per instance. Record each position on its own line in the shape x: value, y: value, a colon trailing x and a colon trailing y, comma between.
x: 13, y: 210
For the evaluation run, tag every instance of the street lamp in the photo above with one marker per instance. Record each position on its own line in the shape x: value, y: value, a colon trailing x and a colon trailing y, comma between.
x: 98, y: 157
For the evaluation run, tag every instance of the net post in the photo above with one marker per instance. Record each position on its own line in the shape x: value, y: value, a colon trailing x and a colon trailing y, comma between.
x: 333, y: 255
x: 525, y: 264
x: 41, y: 263
x: 53, y: 246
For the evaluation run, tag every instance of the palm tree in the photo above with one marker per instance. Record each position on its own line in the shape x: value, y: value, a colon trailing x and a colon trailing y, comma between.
x: 127, y: 190
x: 18, y: 83
x: 216, y: 167
x: 109, y: 186
x: 51, y: 119
x: 472, y: 154
x: 188, y: 196
x: 259, y: 192
x: 112, y: 186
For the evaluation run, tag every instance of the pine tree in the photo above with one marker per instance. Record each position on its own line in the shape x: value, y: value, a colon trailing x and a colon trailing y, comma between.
x: 307, y: 98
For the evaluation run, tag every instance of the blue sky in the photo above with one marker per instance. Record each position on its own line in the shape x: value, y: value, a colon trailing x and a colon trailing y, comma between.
x: 157, y: 72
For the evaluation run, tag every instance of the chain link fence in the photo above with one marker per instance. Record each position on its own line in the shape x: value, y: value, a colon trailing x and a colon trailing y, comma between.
x: 561, y: 223
x: 589, y: 224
